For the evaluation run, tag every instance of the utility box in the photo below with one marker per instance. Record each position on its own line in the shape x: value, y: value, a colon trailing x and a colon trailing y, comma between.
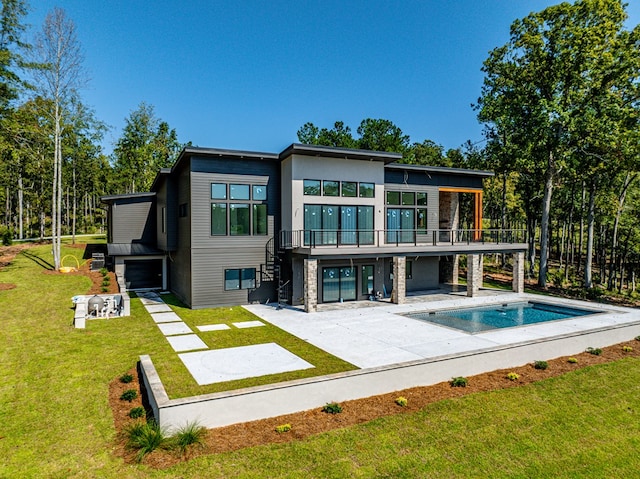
x: 97, y: 261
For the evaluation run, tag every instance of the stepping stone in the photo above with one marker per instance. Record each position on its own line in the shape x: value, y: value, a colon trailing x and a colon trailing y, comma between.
x: 218, y: 365
x: 157, y: 308
x: 248, y: 324
x: 169, y: 317
x: 153, y: 300
x: 171, y: 329
x: 213, y: 327
x: 186, y: 342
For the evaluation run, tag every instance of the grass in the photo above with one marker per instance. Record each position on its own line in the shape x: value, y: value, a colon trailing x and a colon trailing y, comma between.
x: 179, y: 382
x: 55, y: 420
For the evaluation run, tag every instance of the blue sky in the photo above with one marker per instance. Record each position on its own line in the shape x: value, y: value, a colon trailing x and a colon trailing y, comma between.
x: 248, y: 74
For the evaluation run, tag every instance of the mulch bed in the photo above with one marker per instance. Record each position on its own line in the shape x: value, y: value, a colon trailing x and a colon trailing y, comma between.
x: 358, y: 411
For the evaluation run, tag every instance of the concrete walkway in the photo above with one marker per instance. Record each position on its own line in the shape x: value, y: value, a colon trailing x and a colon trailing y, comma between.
x: 369, y: 337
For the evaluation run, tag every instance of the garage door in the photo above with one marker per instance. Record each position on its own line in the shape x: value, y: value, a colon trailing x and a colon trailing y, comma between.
x: 143, y: 273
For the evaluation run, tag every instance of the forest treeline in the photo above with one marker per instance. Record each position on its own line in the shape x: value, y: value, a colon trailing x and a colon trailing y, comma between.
x: 559, y: 103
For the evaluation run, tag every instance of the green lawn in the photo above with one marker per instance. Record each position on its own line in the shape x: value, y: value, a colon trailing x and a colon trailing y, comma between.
x: 55, y: 421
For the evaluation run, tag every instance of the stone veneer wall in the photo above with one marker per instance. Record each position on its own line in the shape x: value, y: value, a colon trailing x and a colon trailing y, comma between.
x: 474, y: 274
x: 518, y: 272
x: 399, y: 292
x: 310, y: 285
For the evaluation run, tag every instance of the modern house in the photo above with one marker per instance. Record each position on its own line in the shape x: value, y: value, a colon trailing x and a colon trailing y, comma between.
x: 309, y: 225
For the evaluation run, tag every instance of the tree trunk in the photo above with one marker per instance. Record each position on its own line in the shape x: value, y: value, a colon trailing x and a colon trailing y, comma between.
x: 614, y: 237
x: 588, y: 279
x: 75, y: 203
x: 544, y: 223
x: 20, y: 208
x: 581, y: 239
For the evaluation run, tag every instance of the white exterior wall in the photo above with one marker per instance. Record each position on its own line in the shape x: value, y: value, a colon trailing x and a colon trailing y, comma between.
x: 297, y: 168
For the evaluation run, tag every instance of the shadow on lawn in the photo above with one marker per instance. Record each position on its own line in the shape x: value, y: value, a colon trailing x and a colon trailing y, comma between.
x: 38, y: 260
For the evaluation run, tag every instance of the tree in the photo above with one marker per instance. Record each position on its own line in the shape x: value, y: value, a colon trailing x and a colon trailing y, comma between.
x: 59, y: 52
x: 146, y: 145
x: 382, y: 135
x: 339, y: 136
x: 11, y: 60
x: 538, y: 86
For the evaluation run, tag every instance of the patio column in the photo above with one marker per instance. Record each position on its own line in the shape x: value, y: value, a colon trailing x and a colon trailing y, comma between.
x: 518, y: 272
x: 474, y: 274
x: 399, y: 291
x: 310, y: 285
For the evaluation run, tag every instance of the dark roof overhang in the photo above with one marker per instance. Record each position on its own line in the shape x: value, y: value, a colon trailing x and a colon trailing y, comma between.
x: 129, y: 196
x: 440, y: 169
x: 334, y: 152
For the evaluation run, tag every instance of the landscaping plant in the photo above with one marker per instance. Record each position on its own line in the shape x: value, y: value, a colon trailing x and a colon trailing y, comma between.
x: 332, y: 408
x: 283, y: 428
x: 513, y: 376
x: 401, y: 401
x: 459, y: 382
x: 192, y: 434
x: 541, y: 365
x: 129, y: 395
x: 137, y: 412
x: 146, y: 437
x: 594, y: 351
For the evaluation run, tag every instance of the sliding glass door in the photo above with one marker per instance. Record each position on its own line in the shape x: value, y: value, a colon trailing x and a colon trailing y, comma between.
x: 338, y: 283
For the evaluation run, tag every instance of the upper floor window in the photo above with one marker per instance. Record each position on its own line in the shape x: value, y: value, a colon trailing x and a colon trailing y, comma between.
x: 330, y: 188
x: 348, y: 189
x: 311, y: 187
x: 367, y: 190
x: 218, y: 191
x: 238, y: 209
x: 238, y: 192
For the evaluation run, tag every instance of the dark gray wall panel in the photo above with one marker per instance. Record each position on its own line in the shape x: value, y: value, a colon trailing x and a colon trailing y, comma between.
x: 431, y: 179
x: 134, y: 221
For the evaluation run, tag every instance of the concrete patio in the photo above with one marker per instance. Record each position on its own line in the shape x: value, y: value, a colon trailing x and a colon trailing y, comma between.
x: 393, y: 352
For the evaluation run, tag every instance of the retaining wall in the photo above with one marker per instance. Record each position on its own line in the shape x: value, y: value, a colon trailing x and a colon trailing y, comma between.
x: 222, y: 409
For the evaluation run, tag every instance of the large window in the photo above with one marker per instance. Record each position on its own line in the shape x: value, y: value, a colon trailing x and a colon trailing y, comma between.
x: 406, y: 216
x: 239, y: 209
x: 239, y: 219
x: 333, y: 224
x: 218, y: 219
x: 244, y: 278
x: 338, y: 284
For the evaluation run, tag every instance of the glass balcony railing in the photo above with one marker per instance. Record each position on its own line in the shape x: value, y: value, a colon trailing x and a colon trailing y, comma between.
x: 397, y: 237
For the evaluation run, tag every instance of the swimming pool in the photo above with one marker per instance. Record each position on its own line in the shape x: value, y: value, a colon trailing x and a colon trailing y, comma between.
x: 486, y: 318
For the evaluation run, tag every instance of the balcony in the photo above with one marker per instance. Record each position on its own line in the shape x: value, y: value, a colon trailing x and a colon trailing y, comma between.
x: 359, y: 242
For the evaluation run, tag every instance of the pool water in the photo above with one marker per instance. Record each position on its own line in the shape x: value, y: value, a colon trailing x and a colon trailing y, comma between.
x: 486, y: 318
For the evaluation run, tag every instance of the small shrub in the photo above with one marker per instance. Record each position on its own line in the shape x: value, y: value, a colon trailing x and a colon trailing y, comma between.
x: 192, y: 434
x: 106, y: 281
x: 541, y: 365
x: 513, y: 376
x: 126, y: 378
x: 459, y: 382
x: 145, y: 437
x: 283, y: 428
x: 104, y: 289
x: 7, y: 236
x: 137, y: 412
x: 637, y: 338
x: 594, y: 351
x: 129, y: 395
x: 332, y: 408
x: 627, y: 349
x: 572, y: 360
x: 402, y: 401
x: 103, y: 271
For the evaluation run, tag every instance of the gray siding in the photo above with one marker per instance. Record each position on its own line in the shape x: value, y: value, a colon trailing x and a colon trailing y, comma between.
x: 211, y: 255
x: 180, y: 259
x: 166, y: 198
x: 133, y: 221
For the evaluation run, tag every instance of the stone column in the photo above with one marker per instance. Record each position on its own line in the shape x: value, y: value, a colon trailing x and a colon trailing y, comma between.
x: 518, y: 272
x: 310, y: 285
x: 399, y: 292
x: 474, y: 274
